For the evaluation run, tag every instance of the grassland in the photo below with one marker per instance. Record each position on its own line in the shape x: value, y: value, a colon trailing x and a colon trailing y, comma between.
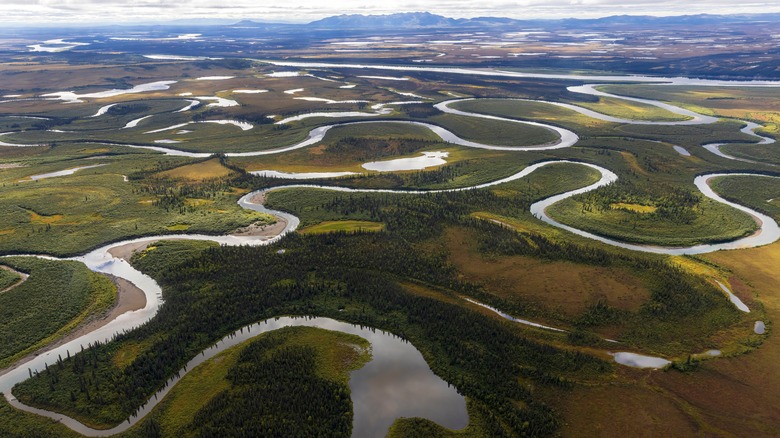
x: 537, y: 111
x: 761, y: 153
x: 343, y: 226
x: 714, y: 222
x: 495, y: 132
x: 564, y: 289
x: 70, y: 214
x: 347, y: 148
x: 204, y: 170
x: 382, y: 131
x: 549, y: 180
x: 759, y: 193
x: 337, y: 354
x: 57, y: 297
x: 630, y: 110
x: 758, y: 104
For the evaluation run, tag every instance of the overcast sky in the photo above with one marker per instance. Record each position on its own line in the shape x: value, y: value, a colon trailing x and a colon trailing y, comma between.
x: 81, y: 11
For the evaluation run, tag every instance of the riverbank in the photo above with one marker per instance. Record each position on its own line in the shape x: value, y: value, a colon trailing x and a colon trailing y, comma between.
x: 22, y: 278
x: 129, y: 298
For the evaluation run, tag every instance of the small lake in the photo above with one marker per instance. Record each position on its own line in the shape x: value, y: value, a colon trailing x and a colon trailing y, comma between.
x: 640, y: 361
x: 63, y: 172
x: 682, y: 151
x: 427, y: 159
x: 72, y: 97
x: 733, y: 298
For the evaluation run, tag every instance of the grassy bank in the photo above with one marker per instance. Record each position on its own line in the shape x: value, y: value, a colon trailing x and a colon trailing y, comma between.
x: 713, y: 222
x: 57, y: 297
x: 8, y: 278
x: 14, y: 423
x: 759, y: 193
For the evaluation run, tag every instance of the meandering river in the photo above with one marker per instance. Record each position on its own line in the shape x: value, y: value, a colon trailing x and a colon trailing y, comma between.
x: 427, y: 396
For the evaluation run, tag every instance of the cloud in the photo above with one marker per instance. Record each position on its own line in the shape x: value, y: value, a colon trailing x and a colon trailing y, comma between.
x: 109, y: 11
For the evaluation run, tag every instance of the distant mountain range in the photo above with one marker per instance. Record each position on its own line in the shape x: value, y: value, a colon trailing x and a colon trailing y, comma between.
x: 400, y: 20
x: 427, y: 20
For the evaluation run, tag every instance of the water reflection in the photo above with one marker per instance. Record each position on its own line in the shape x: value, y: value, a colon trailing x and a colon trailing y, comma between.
x: 397, y: 382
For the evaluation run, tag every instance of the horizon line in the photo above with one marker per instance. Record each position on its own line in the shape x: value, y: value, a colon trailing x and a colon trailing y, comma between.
x: 234, y: 20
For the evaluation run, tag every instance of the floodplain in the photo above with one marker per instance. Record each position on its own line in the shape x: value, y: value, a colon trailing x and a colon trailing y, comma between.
x: 522, y: 313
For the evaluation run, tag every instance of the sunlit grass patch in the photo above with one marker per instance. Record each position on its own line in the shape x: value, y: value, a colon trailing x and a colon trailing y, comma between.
x: 199, y: 171
x: 343, y: 226
x: 636, y: 208
x: 631, y: 110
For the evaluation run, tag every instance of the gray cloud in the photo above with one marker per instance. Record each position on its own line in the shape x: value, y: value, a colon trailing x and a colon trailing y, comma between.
x: 109, y: 11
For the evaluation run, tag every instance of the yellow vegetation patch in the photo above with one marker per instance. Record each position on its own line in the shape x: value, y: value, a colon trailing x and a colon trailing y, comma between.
x: 698, y: 267
x: 8, y: 231
x: 317, y: 150
x: 632, y: 162
x: 500, y: 220
x: 36, y: 218
x: 128, y: 352
x: 347, y: 226
x: 198, y: 171
x: 504, y: 193
x: 239, y: 191
x: 194, y: 392
x: 428, y: 292
x: 709, y: 94
x: 636, y: 208
x: 197, y: 202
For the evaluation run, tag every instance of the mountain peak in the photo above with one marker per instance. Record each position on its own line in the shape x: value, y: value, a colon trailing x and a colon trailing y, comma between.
x: 398, y: 20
